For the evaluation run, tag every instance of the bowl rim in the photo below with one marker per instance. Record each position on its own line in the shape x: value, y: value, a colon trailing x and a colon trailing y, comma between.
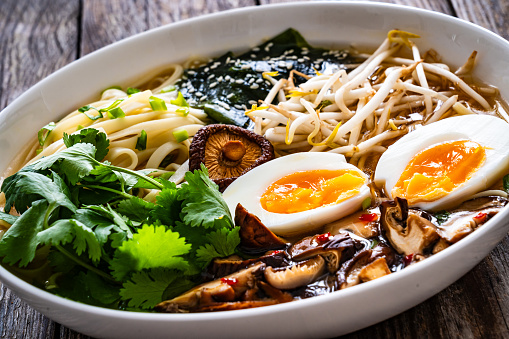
x: 14, y: 283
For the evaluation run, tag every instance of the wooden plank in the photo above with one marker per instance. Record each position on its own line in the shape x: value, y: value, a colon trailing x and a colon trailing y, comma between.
x: 37, y: 38
x: 434, y: 5
x: 102, y: 27
x: 490, y: 14
x: 476, y: 306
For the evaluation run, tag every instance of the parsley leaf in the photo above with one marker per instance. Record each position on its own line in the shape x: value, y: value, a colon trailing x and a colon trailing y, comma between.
x: 153, y: 246
x: 20, y: 241
x: 75, y: 162
x: 90, y: 136
x: 148, y: 288
x: 203, y: 203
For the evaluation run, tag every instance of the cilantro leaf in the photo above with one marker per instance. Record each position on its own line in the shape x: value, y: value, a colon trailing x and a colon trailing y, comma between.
x: 90, y: 136
x: 60, y: 262
x: 153, y: 246
x: 75, y: 162
x: 66, y: 230
x: 12, y: 194
x: 148, y: 288
x: 135, y: 208
x: 121, y: 225
x: 222, y: 244
x: 20, y: 241
x: 203, y: 203
x: 167, y: 209
x: 54, y: 191
x: 88, y: 288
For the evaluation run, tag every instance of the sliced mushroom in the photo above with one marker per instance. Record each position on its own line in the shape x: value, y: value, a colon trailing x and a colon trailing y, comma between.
x: 221, y: 267
x: 334, y: 249
x: 354, y: 223
x: 467, y: 217
x: 218, y: 290
x: 374, y: 270
x: 255, y: 238
x: 407, y: 232
x: 297, y: 275
x: 348, y: 274
x: 228, y: 151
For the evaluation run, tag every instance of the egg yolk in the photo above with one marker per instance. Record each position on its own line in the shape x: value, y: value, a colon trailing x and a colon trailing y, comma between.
x: 438, y: 170
x: 306, y: 190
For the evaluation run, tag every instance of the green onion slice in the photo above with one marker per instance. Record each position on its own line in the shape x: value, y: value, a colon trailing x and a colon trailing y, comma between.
x: 181, y: 135
x: 131, y: 91
x: 157, y: 104
x: 115, y: 113
x: 169, y: 88
x: 86, y: 108
x: 141, y: 143
x: 44, y: 132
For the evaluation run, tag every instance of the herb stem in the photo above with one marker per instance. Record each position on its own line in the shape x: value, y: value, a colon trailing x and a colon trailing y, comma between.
x: 85, y: 265
x: 136, y: 174
x: 122, y: 194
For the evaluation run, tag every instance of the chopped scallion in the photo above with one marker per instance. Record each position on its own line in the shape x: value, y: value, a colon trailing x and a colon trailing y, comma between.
x: 115, y: 113
x: 44, y: 132
x: 181, y: 135
x: 87, y: 108
x: 366, y: 203
x: 169, y: 88
x: 141, y: 143
x: 112, y: 87
x: 157, y: 104
x: 131, y: 91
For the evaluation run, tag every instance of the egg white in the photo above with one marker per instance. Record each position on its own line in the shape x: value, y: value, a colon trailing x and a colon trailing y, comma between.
x: 490, y: 132
x: 248, y: 189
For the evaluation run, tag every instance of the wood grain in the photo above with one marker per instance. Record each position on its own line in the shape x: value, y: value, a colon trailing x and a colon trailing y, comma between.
x: 442, y: 6
x: 36, y: 39
x: 39, y: 36
x: 490, y: 14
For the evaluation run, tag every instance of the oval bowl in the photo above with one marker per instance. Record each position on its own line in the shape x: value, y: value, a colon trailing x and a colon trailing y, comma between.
x: 327, y: 24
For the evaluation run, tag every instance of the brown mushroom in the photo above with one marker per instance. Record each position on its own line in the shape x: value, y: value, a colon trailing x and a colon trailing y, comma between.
x: 408, y: 233
x: 334, y: 249
x: 354, y: 223
x: 297, y: 275
x: 374, y: 270
x: 228, y: 151
x: 217, y: 290
x: 255, y: 237
x: 468, y: 216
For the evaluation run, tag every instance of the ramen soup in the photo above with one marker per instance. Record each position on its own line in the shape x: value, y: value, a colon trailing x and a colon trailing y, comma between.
x: 249, y: 180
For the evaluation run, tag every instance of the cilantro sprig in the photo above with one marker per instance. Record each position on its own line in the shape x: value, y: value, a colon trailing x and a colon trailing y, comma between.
x: 126, y: 252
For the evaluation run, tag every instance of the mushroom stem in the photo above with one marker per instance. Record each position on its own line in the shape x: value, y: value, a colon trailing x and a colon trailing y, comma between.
x: 234, y: 150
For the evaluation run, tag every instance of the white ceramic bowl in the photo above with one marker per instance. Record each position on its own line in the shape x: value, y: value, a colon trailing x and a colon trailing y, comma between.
x: 327, y: 24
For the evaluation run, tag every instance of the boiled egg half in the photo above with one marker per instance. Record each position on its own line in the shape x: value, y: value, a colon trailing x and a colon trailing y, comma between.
x: 300, y: 192
x: 442, y: 164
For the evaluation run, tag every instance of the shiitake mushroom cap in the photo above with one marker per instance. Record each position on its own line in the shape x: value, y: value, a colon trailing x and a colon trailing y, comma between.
x: 228, y: 151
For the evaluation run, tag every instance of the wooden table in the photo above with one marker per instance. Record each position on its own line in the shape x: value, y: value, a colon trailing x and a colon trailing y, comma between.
x: 38, y: 37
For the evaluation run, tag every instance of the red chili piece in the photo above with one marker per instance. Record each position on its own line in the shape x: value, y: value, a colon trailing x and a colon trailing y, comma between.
x: 408, y: 259
x: 368, y: 217
x: 480, y: 217
x: 276, y: 252
x: 323, y: 237
x: 229, y: 281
